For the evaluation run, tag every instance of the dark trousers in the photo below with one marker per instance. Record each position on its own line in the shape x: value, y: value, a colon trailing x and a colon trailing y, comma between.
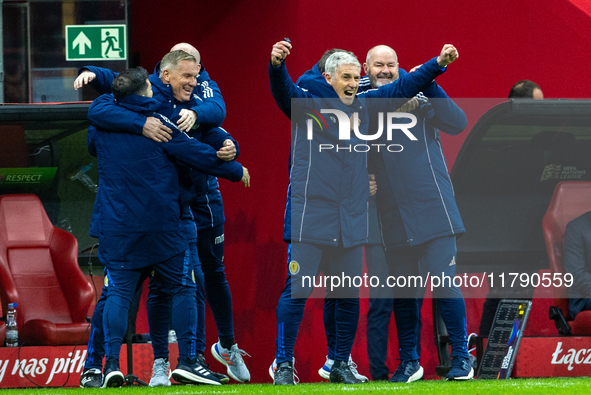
x: 210, y: 246
x: 303, y: 262
x: 174, y: 275
x: 436, y: 257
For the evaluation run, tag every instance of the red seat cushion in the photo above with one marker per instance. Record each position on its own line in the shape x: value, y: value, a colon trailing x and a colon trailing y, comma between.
x: 581, y: 324
x: 39, y: 271
x: 43, y: 332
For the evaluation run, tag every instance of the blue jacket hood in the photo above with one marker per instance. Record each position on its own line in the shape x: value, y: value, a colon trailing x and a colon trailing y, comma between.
x: 141, y: 104
x: 313, y: 81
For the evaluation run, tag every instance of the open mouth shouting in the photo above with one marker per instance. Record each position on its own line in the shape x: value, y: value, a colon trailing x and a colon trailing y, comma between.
x: 348, y: 95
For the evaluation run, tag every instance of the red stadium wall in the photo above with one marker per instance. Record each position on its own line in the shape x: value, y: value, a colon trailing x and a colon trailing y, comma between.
x: 499, y: 43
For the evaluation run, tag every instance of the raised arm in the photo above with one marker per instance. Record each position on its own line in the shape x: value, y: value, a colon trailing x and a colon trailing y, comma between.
x: 211, y: 110
x: 447, y: 117
x: 99, y: 78
x: 282, y: 87
x: 409, y: 84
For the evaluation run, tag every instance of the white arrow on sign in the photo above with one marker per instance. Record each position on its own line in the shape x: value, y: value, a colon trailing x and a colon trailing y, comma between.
x: 82, y: 41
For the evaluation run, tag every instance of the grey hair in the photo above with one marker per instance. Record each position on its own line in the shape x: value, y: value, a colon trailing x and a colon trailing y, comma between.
x: 171, y: 60
x: 340, y: 58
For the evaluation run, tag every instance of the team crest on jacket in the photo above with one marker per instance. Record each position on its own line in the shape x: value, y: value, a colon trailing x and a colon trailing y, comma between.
x: 294, y: 267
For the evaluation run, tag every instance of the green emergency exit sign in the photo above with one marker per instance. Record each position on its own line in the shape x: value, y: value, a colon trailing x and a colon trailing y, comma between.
x: 96, y: 42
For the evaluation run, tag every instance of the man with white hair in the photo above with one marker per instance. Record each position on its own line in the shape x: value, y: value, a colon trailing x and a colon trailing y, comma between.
x: 326, y: 214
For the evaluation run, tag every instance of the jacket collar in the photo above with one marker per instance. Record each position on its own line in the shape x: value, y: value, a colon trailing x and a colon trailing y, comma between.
x: 140, y: 104
x: 314, y: 82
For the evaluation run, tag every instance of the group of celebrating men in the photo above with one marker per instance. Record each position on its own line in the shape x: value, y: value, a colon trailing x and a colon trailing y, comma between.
x: 158, y: 212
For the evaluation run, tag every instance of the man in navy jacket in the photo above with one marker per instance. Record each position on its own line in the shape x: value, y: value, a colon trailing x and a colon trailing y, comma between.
x: 419, y: 217
x: 139, y: 223
x: 313, y: 80
x: 326, y: 215
x: 382, y: 69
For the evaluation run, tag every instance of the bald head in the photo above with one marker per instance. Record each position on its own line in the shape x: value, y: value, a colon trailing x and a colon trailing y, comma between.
x: 381, y: 65
x: 188, y: 48
x: 380, y: 51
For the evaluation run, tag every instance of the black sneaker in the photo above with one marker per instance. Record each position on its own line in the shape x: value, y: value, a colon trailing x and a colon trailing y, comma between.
x: 113, y: 376
x: 340, y: 372
x: 91, y: 378
x: 191, y: 372
x: 407, y: 372
x: 221, y: 377
x: 283, y: 375
x: 461, y: 369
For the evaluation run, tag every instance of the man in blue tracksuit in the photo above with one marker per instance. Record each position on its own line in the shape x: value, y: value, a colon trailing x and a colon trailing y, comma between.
x: 206, y: 106
x: 419, y: 218
x: 326, y: 214
x: 380, y: 302
x: 139, y: 222
x: 381, y: 305
x: 313, y: 80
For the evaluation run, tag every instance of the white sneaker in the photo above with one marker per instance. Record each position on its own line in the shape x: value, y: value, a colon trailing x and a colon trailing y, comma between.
x: 160, y: 373
x: 232, y: 358
x: 273, y: 368
x: 324, y: 371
